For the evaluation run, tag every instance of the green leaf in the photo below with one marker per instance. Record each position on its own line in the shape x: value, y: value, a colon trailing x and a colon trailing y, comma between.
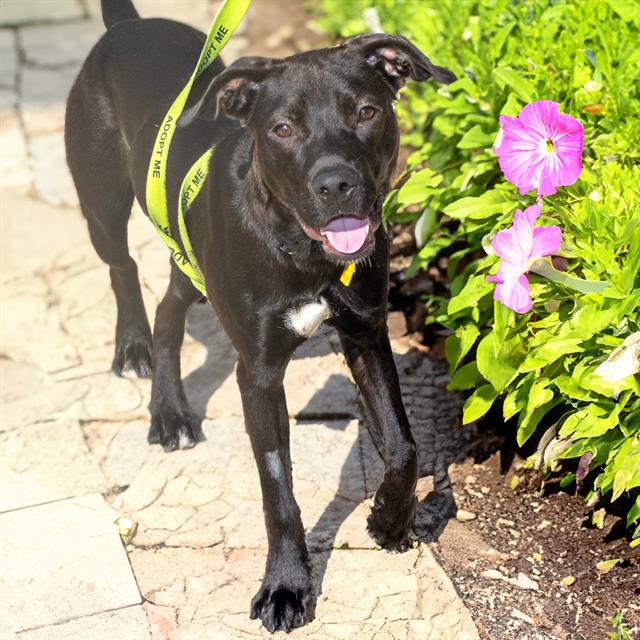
x: 626, y: 467
x: 503, y: 318
x: 418, y: 187
x: 634, y: 512
x: 570, y: 387
x: 632, y: 265
x: 499, y: 38
x: 465, y: 377
x: 512, y: 106
x: 490, y: 203
x: 476, y: 138
x: 543, y: 268
x: 590, y: 422
x: 497, y: 361
x: 513, y: 79
x: 473, y: 291
x: 425, y: 226
x: 458, y: 345
x: 433, y: 247
x: 478, y: 403
x: 550, y: 352
x: 591, y: 319
x: 516, y: 399
x: 538, y: 404
x: 626, y: 9
x: 567, y: 479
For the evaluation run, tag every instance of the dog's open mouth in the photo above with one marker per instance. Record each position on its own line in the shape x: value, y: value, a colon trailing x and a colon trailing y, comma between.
x: 347, y: 238
x: 345, y: 235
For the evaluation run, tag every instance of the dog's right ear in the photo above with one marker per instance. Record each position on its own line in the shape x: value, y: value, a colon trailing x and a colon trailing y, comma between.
x: 234, y: 91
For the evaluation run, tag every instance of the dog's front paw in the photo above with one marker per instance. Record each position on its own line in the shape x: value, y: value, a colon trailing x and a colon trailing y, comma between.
x: 172, y: 426
x: 391, y: 522
x: 283, y: 608
x: 133, y: 354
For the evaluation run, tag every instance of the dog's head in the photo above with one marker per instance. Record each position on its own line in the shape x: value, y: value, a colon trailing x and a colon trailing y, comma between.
x: 325, y: 131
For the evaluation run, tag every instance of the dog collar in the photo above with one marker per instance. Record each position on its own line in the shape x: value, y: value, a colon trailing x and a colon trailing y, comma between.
x: 346, y: 274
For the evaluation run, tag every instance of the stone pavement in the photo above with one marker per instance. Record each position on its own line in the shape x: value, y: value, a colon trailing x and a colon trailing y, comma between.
x: 73, y: 436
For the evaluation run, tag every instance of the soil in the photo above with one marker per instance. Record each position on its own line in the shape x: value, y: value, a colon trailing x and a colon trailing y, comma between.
x: 546, y: 538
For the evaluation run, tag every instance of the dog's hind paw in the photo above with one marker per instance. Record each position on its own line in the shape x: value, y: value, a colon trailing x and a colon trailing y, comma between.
x: 282, y: 608
x: 133, y: 356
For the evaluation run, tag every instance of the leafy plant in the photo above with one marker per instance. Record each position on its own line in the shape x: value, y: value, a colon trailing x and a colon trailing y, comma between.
x: 542, y: 366
x: 620, y: 630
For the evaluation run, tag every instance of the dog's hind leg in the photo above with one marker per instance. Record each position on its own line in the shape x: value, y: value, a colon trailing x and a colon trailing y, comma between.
x: 171, y: 417
x: 96, y: 154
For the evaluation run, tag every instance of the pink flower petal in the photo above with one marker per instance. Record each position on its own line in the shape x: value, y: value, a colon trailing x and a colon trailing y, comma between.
x: 521, y: 169
x: 523, y: 222
x: 546, y: 185
x: 505, y: 246
x: 531, y: 214
x: 516, y: 246
x: 518, y: 153
x: 518, y: 136
x: 515, y: 294
x: 513, y: 245
x: 523, y: 152
x: 541, y: 117
x: 546, y: 241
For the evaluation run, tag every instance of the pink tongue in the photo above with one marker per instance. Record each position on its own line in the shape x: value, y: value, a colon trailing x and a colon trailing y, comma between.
x: 347, y: 235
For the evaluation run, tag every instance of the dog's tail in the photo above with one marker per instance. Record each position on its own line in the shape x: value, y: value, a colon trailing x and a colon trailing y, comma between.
x: 114, y: 11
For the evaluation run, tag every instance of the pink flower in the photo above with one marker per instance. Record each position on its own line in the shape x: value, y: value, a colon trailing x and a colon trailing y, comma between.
x: 540, y: 149
x: 518, y: 247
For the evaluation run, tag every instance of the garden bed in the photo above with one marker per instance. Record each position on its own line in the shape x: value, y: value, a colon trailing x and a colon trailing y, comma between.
x: 544, y: 539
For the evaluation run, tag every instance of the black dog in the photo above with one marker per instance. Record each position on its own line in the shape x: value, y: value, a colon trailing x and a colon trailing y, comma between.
x: 304, y: 150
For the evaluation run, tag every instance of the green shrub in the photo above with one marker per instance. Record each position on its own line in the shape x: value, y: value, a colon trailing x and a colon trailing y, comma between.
x: 583, y: 55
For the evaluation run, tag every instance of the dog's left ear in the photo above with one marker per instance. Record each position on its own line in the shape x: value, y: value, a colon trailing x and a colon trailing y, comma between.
x: 397, y: 59
x: 233, y: 91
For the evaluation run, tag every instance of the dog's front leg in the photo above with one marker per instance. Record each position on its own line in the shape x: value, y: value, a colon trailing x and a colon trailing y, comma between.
x: 284, y: 600
x: 371, y: 361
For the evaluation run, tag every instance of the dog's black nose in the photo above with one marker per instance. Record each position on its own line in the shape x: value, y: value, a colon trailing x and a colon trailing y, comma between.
x: 335, y: 184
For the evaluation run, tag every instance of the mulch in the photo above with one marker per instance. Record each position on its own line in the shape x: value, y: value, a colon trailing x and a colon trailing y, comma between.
x: 546, y: 537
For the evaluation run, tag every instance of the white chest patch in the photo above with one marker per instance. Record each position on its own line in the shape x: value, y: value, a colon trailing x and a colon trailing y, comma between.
x: 305, y: 320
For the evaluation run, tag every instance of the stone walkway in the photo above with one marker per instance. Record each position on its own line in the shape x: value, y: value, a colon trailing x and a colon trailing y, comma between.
x: 73, y: 441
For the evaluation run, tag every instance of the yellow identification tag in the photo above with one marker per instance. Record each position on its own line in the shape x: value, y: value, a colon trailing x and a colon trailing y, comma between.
x: 348, y: 273
x: 223, y: 26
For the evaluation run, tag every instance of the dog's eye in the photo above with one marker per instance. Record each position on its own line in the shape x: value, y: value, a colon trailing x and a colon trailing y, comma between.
x: 282, y: 130
x: 366, y: 113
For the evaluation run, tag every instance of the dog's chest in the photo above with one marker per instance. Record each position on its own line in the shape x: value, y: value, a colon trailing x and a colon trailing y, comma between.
x: 305, y: 320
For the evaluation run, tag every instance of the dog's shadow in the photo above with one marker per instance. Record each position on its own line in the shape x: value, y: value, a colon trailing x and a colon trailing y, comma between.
x: 432, y: 412
x: 200, y: 384
x: 431, y: 409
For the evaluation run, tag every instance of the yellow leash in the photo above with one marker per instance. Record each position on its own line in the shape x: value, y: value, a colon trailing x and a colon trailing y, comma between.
x: 222, y: 28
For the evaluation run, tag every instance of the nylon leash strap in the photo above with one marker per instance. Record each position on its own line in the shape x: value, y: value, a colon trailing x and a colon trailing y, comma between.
x: 223, y: 26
